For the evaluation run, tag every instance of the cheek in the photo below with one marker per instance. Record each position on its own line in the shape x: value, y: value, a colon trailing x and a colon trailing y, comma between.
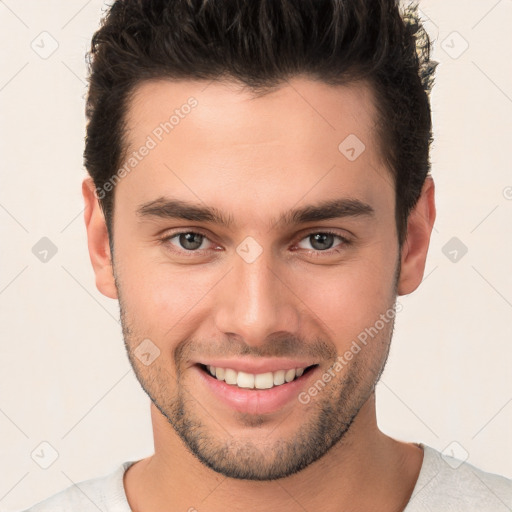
x: 348, y: 299
x: 160, y: 298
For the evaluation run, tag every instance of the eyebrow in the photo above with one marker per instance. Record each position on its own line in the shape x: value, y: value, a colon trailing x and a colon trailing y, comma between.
x: 168, y: 208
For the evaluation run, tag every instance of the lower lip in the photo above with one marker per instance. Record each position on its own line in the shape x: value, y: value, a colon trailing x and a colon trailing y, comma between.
x: 255, y: 401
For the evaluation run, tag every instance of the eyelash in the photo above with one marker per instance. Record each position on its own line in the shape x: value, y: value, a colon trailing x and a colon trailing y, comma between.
x: 313, y: 252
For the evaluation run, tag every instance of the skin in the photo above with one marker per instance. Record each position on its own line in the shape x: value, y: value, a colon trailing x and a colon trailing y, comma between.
x: 254, y: 158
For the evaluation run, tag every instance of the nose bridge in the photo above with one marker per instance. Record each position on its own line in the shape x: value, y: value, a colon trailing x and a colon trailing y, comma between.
x: 255, y: 301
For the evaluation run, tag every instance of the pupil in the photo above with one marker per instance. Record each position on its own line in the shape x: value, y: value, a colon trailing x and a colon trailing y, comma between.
x: 321, y: 237
x: 189, y: 240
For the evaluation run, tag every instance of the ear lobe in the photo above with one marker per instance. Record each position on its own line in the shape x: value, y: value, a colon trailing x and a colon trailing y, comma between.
x: 97, y: 241
x: 415, y: 247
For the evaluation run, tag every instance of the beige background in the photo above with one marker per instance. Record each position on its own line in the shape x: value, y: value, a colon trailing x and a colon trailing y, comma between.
x: 64, y: 376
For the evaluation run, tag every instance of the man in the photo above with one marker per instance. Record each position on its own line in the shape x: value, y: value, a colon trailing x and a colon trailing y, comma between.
x: 259, y: 195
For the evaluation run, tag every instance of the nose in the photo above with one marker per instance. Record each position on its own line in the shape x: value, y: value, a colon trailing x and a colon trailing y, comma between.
x: 255, y: 301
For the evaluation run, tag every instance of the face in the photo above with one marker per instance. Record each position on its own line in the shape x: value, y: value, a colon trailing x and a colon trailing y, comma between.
x: 292, y: 258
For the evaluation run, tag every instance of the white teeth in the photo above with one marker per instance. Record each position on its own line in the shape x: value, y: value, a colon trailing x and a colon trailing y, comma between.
x: 279, y: 377
x: 264, y: 381
x: 254, y: 381
x: 230, y: 376
x: 245, y: 380
x: 219, y: 373
x: 289, y: 375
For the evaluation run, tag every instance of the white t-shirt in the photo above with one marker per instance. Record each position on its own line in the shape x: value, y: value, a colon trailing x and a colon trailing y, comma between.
x: 444, y: 484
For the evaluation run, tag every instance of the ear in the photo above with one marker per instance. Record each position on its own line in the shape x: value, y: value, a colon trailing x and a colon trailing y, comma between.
x: 415, y: 247
x: 97, y: 241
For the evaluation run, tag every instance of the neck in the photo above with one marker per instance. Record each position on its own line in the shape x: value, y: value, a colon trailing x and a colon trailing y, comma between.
x: 366, y: 470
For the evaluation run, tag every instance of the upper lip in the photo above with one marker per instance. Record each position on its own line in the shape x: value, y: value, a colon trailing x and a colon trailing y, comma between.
x: 257, y: 366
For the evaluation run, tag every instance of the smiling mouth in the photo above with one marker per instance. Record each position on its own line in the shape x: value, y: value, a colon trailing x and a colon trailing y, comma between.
x: 244, y: 380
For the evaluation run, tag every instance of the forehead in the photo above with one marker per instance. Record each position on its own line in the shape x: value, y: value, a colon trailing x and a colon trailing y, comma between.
x: 303, y: 106
x: 215, y: 140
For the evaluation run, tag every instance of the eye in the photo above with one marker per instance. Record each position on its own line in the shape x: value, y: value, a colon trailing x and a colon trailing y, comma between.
x: 323, y: 241
x: 188, y: 241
